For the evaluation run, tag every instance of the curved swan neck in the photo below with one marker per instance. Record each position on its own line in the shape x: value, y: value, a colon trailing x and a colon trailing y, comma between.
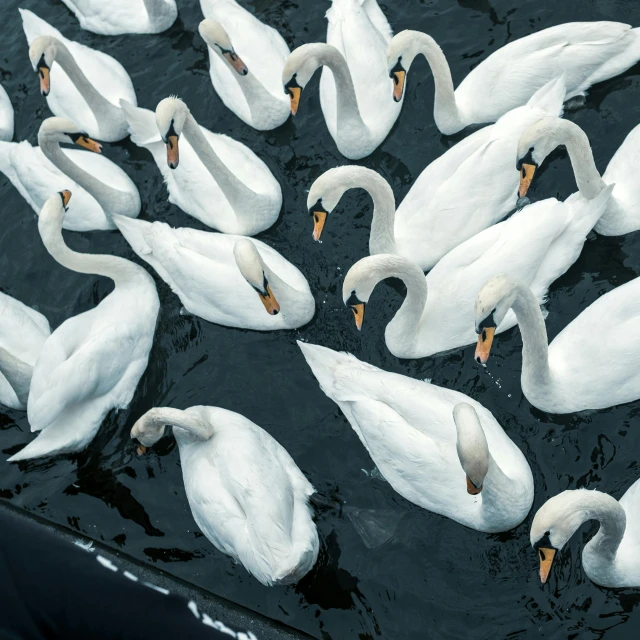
x: 102, y: 109
x: 236, y: 192
x: 445, y: 109
x: 382, y: 238
x: 17, y: 373
x: 287, y: 296
x: 404, y: 327
x: 111, y: 200
x: 159, y: 417
x: 121, y: 271
x: 535, y: 343
x: 348, y: 112
x: 588, y: 179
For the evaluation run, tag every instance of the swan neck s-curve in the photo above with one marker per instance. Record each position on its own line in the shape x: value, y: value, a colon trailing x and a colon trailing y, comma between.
x: 160, y: 417
x: 535, y: 343
x: 382, y: 238
x: 102, y: 109
x: 236, y: 192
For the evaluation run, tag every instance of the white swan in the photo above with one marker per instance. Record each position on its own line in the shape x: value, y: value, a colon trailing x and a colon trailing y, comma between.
x: 6, y: 115
x: 591, y: 364
x: 23, y: 332
x: 623, y: 212
x: 467, y: 189
x: 354, y: 87
x: 222, y: 278
x: 586, y: 52
x: 124, y: 16
x: 212, y: 177
x: 424, y: 439
x: 612, y: 557
x: 537, y: 245
x: 92, y: 362
x: 246, y: 62
x: 101, y: 188
x: 84, y: 85
x: 246, y: 493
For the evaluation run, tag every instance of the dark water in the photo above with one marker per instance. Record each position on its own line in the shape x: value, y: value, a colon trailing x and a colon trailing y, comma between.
x: 433, y: 578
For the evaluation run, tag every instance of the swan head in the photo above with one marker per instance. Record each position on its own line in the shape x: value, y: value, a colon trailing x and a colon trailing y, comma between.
x: 471, y: 445
x: 42, y: 53
x: 534, y: 145
x: 492, y: 304
x: 324, y: 195
x: 147, y: 430
x: 400, y: 54
x: 53, y: 210
x: 358, y: 286
x: 62, y: 130
x: 252, y: 269
x: 214, y: 34
x: 171, y: 114
x: 300, y: 66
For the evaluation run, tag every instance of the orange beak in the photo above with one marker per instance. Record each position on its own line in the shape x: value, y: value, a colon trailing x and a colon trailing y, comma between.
x: 546, y: 560
x: 294, y: 95
x: 173, y: 154
x: 45, y: 80
x: 526, y: 176
x: 471, y: 488
x: 398, y: 84
x: 269, y: 301
x: 236, y: 62
x: 88, y: 143
x: 358, y: 313
x: 66, y: 196
x: 319, y: 218
x: 141, y: 449
x: 483, y: 348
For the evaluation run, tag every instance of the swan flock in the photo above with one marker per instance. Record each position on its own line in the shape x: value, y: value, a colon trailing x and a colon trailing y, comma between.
x: 475, y: 256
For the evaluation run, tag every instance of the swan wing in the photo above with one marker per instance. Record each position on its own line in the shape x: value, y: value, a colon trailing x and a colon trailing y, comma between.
x: 378, y: 19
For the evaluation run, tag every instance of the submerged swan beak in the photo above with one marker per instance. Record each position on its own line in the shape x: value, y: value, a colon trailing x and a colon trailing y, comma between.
x: 173, y: 154
x: 546, y: 560
x: 471, y: 488
x: 319, y: 218
x: 269, y: 301
x: 485, y: 340
x: 358, y: 313
x: 83, y: 140
x: 398, y: 75
x: 236, y: 62
x: 526, y: 176
x: 45, y: 79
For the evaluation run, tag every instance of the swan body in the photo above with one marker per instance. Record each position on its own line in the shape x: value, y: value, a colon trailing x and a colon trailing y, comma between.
x: 92, y: 362
x: 612, y: 557
x: 467, y: 189
x: 68, y: 71
x: 6, y: 116
x: 215, y: 179
x: 101, y: 188
x: 537, y: 245
x: 246, y: 493
x: 23, y: 332
x: 424, y: 439
x: 623, y: 211
x: 246, y: 62
x: 585, y: 52
x: 225, y: 279
x: 574, y: 372
x: 124, y: 16
x: 355, y: 85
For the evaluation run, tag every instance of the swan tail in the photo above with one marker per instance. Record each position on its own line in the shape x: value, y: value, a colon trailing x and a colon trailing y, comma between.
x: 34, y: 26
x: 333, y: 369
x: 550, y: 97
x: 141, y: 124
x: 135, y: 233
